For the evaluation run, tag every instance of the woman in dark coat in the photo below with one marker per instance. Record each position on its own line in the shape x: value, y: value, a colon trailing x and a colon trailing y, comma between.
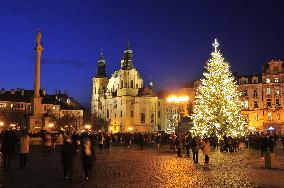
x: 88, y: 157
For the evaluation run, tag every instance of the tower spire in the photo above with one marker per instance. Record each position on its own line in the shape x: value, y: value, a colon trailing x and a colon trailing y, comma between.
x: 101, y: 72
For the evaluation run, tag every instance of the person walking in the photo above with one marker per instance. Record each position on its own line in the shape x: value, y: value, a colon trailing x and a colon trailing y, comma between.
x: 88, y: 157
x: 68, y: 151
x: 187, y: 144
x: 195, y: 149
x: 24, y: 149
x: 206, y: 149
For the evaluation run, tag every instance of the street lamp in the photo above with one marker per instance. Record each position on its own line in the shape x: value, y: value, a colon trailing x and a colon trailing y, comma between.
x: 1, y: 123
x: 178, y: 100
x: 87, y: 126
x: 50, y: 125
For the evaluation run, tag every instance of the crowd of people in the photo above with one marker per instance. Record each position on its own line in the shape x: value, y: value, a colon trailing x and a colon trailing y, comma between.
x: 186, y: 144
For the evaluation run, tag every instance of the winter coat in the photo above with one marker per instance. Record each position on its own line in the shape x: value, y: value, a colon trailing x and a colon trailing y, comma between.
x: 67, y: 153
x: 24, y: 144
x: 205, y: 148
x: 88, y: 154
x: 194, y: 145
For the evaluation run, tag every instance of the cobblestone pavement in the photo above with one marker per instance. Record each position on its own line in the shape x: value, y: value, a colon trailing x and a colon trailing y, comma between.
x: 147, y: 168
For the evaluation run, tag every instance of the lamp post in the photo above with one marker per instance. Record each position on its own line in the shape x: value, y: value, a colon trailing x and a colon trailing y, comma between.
x: 178, y: 100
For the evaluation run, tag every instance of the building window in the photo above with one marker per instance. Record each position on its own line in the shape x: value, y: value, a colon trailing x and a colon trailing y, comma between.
x: 255, y: 93
x: 269, y: 116
x: 245, y: 92
x: 268, y: 91
x: 278, y: 116
x: 277, y: 91
x: 136, y: 86
x: 2, y: 105
x: 255, y: 117
x: 276, y: 80
x: 131, y: 84
x: 107, y: 113
x: 120, y: 113
x: 277, y: 102
x: 142, y: 118
x: 121, y: 84
x: 254, y: 81
x: 255, y: 104
x: 268, y: 103
x: 159, y: 104
x: 159, y: 114
x: 152, y: 118
x: 131, y: 114
x: 245, y: 104
x: 267, y: 80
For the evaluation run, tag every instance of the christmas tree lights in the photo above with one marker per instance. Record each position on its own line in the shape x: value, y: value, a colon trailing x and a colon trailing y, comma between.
x: 216, y: 107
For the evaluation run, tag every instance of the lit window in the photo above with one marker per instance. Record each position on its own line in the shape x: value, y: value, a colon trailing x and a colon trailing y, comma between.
x: 276, y: 80
x: 269, y: 116
x: 278, y: 116
x: 277, y: 91
x: 255, y: 93
x: 2, y: 105
x: 268, y: 91
x: 246, y: 104
x: 267, y: 80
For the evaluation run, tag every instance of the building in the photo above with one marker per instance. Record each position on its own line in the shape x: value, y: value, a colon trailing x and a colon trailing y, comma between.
x: 20, y: 100
x: 123, y: 101
x: 263, y: 97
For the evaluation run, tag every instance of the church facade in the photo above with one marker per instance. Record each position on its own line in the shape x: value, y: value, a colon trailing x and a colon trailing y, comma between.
x: 123, y: 101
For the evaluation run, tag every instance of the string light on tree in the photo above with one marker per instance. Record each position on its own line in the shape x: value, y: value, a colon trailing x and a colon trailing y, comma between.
x: 216, y: 106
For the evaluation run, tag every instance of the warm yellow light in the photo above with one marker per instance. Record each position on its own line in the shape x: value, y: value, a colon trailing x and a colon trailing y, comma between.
x: 130, y: 128
x: 1, y: 123
x: 177, y: 99
x: 111, y: 128
x: 50, y: 125
x: 13, y: 125
x: 251, y: 128
x: 87, y: 126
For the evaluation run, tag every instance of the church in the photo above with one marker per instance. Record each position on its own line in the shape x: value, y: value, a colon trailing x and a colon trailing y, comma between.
x: 123, y: 101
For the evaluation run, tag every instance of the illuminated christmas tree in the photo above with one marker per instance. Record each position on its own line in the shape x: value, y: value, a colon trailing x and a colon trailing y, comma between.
x: 216, y: 106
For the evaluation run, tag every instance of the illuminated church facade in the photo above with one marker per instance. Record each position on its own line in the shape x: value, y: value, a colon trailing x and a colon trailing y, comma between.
x: 123, y: 101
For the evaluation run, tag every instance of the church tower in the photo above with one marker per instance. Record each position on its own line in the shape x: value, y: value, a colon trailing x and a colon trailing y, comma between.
x: 129, y: 78
x: 100, y: 82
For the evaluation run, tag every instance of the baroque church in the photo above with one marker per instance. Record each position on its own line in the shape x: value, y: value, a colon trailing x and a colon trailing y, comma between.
x: 123, y: 101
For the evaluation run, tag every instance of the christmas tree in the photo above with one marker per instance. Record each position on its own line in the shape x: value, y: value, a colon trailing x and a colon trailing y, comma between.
x: 216, y: 106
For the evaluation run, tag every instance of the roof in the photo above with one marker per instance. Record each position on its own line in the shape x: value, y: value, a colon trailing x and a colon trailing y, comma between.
x: 146, y: 92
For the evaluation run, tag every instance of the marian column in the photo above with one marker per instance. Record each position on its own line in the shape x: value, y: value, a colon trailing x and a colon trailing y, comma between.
x: 36, y: 102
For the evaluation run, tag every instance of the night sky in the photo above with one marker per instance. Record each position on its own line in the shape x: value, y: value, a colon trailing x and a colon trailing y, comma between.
x: 171, y: 40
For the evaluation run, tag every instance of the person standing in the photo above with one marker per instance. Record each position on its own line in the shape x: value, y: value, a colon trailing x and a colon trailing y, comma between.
x: 195, y: 149
x: 107, y: 141
x: 48, y: 142
x: 206, y: 149
x: 88, y: 157
x: 101, y: 140
x: 158, y: 140
x: 68, y: 151
x: 24, y: 149
x: 9, y: 142
x: 141, y: 140
x: 178, y: 143
x: 187, y: 144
